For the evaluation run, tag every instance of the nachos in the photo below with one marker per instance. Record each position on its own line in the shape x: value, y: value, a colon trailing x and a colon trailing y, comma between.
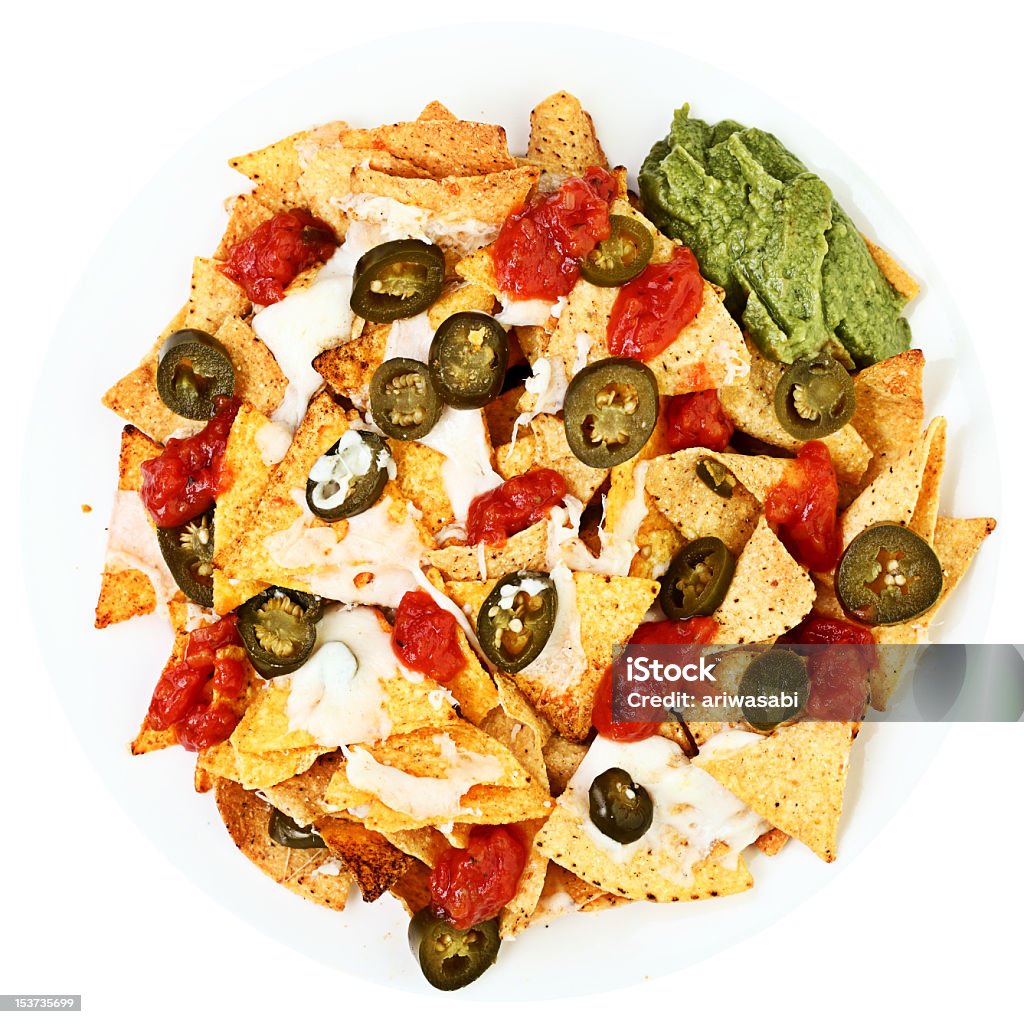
x: 438, y: 429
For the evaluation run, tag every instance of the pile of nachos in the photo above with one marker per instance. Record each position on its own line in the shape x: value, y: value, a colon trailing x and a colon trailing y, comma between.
x: 436, y: 430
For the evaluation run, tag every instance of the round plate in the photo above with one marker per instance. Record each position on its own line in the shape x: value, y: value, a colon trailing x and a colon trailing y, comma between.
x: 140, y: 277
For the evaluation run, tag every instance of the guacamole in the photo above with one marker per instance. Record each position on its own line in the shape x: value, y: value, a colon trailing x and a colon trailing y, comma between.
x: 796, y: 272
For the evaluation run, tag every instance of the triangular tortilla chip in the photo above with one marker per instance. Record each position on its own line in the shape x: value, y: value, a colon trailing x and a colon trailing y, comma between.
x: 306, y: 872
x: 375, y: 863
x: 769, y: 593
x: 435, y: 110
x: 260, y: 771
x: 562, y: 137
x: 926, y: 510
x: 300, y: 795
x: 245, y: 214
x: 793, y: 778
x: 899, y: 278
x: 514, y: 796
x: 524, y: 550
x: 274, y: 171
x: 751, y: 407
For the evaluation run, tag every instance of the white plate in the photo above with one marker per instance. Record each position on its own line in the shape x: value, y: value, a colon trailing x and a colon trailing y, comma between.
x: 139, y: 279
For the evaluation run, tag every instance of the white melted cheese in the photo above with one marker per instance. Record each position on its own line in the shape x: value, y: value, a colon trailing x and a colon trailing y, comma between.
x: 132, y: 544
x: 385, y: 554
x: 403, y: 220
x: 273, y: 440
x: 333, y: 474
x: 460, y: 436
x: 308, y: 321
x: 725, y: 742
x: 527, y: 312
x: 562, y: 662
x: 422, y: 796
x: 337, y: 696
x: 547, y: 384
x: 409, y: 339
x: 691, y: 810
x: 584, y: 343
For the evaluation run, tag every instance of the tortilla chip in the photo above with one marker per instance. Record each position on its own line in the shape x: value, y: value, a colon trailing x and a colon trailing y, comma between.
x: 769, y: 593
x: 213, y: 297
x: 562, y: 137
x: 771, y: 842
x: 926, y: 509
x: 257, y: 770
x: 561, y: 758
x: 516, y: 914
x: 127, y: 592
x: 524, y: 550
x: 246, y: 817
x: 892, y: 495
x: 693, y: 508
x: 543, y: 445
x: 440, y: 148
x: 274, y: 171
x: 426, y: 845
x: 751, y: 407
x: 301, y: 795
x: 501, y: 416
x: 375, y: 863
x: 516, y: 796
x: 610, y: 609
x: 899, y: 278
x: 435, y: 110
x: 793, y: 778
x: 412, y: 890
x: 245, y: 214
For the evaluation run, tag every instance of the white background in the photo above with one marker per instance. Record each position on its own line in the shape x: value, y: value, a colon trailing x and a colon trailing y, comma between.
x: 96, y: 95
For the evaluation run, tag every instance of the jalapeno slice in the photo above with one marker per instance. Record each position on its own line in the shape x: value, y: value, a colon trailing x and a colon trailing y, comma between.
x: 888, y: 574
x: 286, y: 831
x: 769, y: 678
x: 278, y: 629
x: 397, y: 280
x: 517, y: 618
x: 193, y: 371
x: 403, y: 401
x: 468, y: 359
x: 619, y: 807
x: 697, y: 579
x: 610, y: 408
x: 716, y: 477
x: 349, y: 477
x: 621, y: 256
x: 188, y: 552
x: 450, y: 957
x: 814, y: 397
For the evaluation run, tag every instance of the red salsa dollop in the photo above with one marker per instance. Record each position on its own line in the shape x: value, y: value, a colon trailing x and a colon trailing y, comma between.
x: 183, y: 481
x: 839, y: 671
x: 513, y: 506
x: 651, y: 310
x: 193, y: 695
x: 471, y: 885
x: 697, y: 420
x: 538, y: 249
x: 425, y: 637
x: 803, y: 506
x: 685, y: 633
x: 266, y: 262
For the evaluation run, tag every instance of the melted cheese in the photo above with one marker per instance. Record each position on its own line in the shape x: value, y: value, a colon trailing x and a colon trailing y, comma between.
x: 382, y: 552
x: 460, y: 435
x: 132, y: 544
x: 308, y: 321
x: 691, y: 810
x: 562, y: 661
x: 337, y: 696
x: 409, y: 339
x: 527, y: 312
x: 273, y: 440
x: 421, y: 796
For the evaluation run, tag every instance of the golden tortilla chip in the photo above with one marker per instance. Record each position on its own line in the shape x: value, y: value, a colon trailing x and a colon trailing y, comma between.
x: 516, y: 914
x: 562, y: 137
x: 751, y: 407
x: 794, y: 778
x: 300, y: 796
x: 435, y: 110
x: 375, y: 863
x: 610, y: 609
x: 501, y: 416
x: 899, y: 278
x: 305, y: 872
x: 274, y: 171
x: 440, y: 148
x: 926, y: 509
x: 524, y: 550
x: 245, y: 214
x: 514, y: 796
x: 543, y: 445
x: 213, y: 297
x: 769, y: 593
x: 771, y: 842
x: 260, y: 771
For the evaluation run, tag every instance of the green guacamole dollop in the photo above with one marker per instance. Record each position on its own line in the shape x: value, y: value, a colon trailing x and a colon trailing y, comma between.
x: 796, y: 272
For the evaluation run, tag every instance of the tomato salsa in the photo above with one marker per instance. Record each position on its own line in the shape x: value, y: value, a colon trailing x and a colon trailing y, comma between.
x: 472, y: 885
x: 537, y: 252
x: 266, y: 262
x: 803, y: 506
x: 193, y: 695
x: 513, y: 506
x: 183, y: 481
x: 651, y: 310
x: 697, y: 420
x: 426, y: 638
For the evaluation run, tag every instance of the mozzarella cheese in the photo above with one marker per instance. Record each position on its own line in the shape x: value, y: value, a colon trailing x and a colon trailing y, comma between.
x: 527, y: 312
x: 132, y: 544
x: 272, y: 440
x: 409, y: 339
